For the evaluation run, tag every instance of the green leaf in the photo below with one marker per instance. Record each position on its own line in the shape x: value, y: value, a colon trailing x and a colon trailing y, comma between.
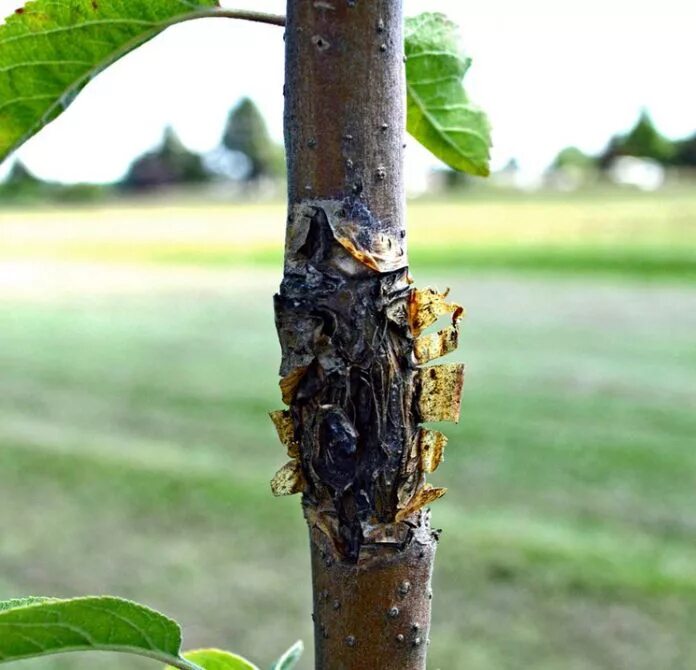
x: 290, y: 658
x: 22, y: 602
x: 439, y: 114
x: 50, y: 50
x: 41, y: 626
x: 214, y: 659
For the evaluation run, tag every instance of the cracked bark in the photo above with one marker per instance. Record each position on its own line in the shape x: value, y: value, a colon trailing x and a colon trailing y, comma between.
x: 348, y: 320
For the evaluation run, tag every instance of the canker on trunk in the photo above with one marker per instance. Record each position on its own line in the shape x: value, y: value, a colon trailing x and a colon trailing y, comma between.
x: 349, y: 323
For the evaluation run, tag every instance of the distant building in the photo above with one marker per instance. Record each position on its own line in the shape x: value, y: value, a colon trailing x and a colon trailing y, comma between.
x: 644, y: 173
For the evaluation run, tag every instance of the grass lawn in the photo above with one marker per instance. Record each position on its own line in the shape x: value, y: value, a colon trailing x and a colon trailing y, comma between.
x: 135, y: 450
x: 626, y: 233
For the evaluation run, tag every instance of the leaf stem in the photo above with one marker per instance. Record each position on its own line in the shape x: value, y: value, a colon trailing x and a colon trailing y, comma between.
x: 182, y: 664
x: 243, y: 14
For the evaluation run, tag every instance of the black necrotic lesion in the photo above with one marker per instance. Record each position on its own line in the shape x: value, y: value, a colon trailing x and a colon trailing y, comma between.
x: 352, y: 409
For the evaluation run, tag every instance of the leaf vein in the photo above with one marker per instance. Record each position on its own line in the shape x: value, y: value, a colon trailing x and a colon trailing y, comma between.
x: 25, y: 98
x: 77, y: 26
x: 126, y: 621
x: 435, y: 123
x: 41, y: 63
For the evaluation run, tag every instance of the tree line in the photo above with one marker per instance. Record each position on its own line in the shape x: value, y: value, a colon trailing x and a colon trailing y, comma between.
x: 644, y: 140
x: 247, y: 154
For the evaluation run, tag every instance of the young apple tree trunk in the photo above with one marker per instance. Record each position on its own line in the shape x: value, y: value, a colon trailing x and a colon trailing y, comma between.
x: 348, y: 322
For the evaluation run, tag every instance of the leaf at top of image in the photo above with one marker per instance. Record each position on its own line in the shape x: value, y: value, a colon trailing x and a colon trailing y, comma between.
x: 50, y: 50
x: 439, y: 113
x: 23, y: 602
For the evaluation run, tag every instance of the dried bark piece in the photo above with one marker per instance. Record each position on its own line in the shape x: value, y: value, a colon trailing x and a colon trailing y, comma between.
x: 426, y: 306
x: 388, y: 256
x: 370, y: 242
x: 297, y: 229
x: 385, y: 533
x: 364, y: 257
x: 429, y: 347
x: 411, y: 477
x: 425, y: 455
x: 411, y: 462
x: 296, y: 330
x: 288, y: 480
x: 286, y: 431
x: 367, y: 240
x: 425, y: 496
x: 288, y: 384
x: 440, y: 388
x: 409, y: 486
x: 431, y: 448
x: 324, y: 521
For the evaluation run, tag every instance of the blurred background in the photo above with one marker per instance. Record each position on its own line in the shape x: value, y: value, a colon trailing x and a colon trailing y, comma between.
x: 141, y: 241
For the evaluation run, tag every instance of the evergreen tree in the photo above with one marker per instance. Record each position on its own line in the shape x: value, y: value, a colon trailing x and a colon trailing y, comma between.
x: 168, y: 165
x: 22, y: 185
x: 686, y: 152
x: 643, y: 141
x: 246, y: 133
x: 21, y: 176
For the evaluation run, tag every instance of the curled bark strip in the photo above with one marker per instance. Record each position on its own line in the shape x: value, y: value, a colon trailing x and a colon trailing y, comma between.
x: 423, y: 497
x: 379, y: 250
x: 368, y: 240
x: 288, y: 384
x: 431, y: 449
x: 425, y: 455
x: 429, y: 347
x: 440, y: 392
x: 288, y: 480
x: 426, y: 306
x: 282, y: 420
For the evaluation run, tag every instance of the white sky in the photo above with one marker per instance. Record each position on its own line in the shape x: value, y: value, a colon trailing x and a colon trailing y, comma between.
x: 550, y: 73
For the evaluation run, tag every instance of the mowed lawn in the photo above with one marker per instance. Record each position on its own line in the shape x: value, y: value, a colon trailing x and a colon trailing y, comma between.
x: 612, y: 232
x: 135, y: 450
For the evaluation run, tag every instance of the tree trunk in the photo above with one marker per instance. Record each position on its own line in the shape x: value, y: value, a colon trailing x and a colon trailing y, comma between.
x: 348, y: 322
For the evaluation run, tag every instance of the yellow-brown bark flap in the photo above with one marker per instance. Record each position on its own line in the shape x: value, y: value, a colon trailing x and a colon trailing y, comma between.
x: 431, y: 448
x: 440, y: 390
x: 429, y: 347
x: 426, y: 306
x: 288, y: 384
x: 378, y: 250
x: 286, y: 431
x: 288, y: 480
x: 425, y: 496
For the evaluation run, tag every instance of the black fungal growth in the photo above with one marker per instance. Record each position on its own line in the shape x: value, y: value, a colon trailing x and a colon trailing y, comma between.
x: 352, y: 409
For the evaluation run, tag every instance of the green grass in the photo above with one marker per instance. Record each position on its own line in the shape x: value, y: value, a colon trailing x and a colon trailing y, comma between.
x: 620, y: 233
x: 135, y: 455
x: 631, y: 262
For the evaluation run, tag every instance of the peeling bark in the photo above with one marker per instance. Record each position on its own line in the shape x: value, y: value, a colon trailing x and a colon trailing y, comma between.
x: 349, y: 325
